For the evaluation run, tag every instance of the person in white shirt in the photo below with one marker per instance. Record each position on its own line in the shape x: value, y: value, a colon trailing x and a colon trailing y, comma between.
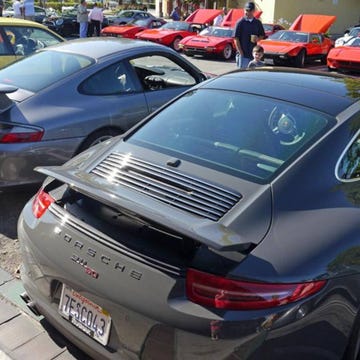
x: 96, y: 18
x: 219, y: 19
x: 17, y: 9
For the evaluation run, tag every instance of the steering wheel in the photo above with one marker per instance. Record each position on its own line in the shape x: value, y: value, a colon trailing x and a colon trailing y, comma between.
x: 283, y: 125
x: 154, y: 82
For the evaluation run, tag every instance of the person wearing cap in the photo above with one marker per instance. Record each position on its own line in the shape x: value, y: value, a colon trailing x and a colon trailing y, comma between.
x: 248, y: 31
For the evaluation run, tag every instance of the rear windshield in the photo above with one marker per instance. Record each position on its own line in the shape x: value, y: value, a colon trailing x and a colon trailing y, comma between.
x: 42, y: 69
x: 240, y: 134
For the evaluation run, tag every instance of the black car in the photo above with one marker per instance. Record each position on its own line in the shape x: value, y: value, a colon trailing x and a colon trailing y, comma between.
x: 66, y: 25
x: 225, y: 225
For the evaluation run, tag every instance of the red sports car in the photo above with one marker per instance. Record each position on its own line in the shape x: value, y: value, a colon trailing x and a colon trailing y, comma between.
x: 304, y: 40
x: 173, y: 32
x: 214, y: 40
x: 133, y: 27
x: 346, y: 57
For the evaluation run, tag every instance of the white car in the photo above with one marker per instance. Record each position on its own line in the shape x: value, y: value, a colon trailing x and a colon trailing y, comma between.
x: 354, y: 32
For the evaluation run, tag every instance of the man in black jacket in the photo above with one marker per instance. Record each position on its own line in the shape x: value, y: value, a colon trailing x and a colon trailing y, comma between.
x: 248, y: 31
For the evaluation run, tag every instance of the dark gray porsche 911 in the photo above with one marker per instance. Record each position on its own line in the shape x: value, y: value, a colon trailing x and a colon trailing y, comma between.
x: 223, y: 226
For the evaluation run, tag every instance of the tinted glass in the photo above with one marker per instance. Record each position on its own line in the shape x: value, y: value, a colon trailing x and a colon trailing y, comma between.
x: 240, y: 134
x: 26, y: 40
x: 348, y: 167
x: 51, y: 66
x: 293, y: 36
x: 114, y: 79
x: 217, y: 32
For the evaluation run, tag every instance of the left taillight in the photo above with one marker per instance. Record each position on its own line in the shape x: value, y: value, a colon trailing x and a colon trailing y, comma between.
x: 224, y: 293
x: 10, y: 134
x: 41, y: 203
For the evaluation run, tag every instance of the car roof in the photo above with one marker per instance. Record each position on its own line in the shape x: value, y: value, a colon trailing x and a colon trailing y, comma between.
x: 99, y: 47
x: 326, y: 92
x: 19, y: 22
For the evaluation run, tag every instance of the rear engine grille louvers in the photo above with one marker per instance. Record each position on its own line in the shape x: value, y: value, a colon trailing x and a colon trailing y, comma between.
x: 168, y: 186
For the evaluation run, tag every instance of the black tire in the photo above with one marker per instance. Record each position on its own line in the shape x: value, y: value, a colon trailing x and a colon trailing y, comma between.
x: 175, y: 44
x: 98, y: 137
x: 323, y: 60
x: 227, y: 53
x: 300, y: 59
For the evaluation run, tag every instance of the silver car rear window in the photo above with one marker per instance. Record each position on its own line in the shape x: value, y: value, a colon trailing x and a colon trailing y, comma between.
x: 238, y: 133
x: 42, y: 69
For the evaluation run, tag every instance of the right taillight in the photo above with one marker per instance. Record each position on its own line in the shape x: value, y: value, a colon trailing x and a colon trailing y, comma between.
x: 41, y: 203
x: 224, y: 293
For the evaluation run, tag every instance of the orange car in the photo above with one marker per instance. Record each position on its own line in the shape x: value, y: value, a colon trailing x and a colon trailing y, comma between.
x: 304, y: 40
x: 346, y: 57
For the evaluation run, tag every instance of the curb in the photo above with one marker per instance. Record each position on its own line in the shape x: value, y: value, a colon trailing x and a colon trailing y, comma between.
x: 23, y: 335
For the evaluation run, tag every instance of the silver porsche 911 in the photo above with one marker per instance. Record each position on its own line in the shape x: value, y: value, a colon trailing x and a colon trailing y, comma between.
x: 223, y: 226
x: 61, y: 100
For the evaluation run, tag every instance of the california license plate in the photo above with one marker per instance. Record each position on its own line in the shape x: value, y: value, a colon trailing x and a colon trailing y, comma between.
x: 85, y: 314
x: 269, y: 61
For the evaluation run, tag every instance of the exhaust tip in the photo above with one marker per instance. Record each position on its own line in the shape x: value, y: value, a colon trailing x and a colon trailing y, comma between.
x: 31, y: 305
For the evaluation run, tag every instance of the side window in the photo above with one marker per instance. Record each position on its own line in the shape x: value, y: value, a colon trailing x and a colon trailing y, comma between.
x: 159, y: 72
x: 348, y: 167
x: 7, y: 44
x: 43, y: 37
x: 115, y: 79
x: 26, y: 40
x: 315, y: 39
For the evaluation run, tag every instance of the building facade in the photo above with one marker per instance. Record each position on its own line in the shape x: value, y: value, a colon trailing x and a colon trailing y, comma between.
x: 280, y: 11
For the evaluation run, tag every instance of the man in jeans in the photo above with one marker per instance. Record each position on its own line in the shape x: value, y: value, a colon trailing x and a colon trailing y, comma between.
x: 29, y: 10
x: 82, y: 19
x: 248, y: 31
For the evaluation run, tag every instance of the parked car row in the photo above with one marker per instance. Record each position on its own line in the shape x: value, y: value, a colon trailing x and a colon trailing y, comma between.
x: 304, y: 41
x: 66, y: 24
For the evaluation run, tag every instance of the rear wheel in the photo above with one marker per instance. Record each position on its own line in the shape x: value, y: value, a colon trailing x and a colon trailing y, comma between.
x: 98, y: 137
x: 227, y: 52
x: 175, y: 43
x: 300, y: 59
